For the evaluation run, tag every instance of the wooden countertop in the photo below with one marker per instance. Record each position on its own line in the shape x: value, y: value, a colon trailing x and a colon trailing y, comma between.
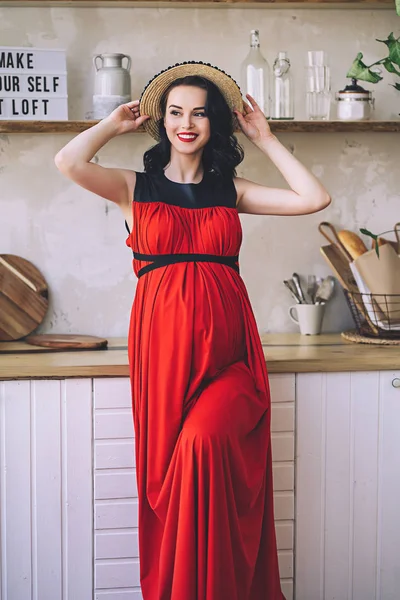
x: 284, y: 353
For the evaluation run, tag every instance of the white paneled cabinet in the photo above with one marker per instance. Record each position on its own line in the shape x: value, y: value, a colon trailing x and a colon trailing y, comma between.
x: 46, y: 503
x: 348, y: 486
x: 68, y: 496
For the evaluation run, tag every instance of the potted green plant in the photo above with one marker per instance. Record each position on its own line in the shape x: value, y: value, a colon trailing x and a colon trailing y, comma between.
x: 376, y: 236
x: 371, y: 73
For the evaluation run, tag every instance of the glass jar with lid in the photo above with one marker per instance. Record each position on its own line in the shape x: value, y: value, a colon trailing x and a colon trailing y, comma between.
x: 282, y: 106
x: 354, y: 103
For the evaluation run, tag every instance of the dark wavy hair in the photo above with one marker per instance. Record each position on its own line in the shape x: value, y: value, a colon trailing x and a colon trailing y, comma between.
x: 221, y: 154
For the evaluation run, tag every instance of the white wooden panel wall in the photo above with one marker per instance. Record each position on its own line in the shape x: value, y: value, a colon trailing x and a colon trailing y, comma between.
x: 46, y: 490
x: 116, y: 519
x: 348, y: 487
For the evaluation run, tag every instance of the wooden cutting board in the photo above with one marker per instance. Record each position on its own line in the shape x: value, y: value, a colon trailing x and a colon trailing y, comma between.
x: 67, y: 342
x: 341, y: 268
x: 95, y: 343
x: 23, y: 297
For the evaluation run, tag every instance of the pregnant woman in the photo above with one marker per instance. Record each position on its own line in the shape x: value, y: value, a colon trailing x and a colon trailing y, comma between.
x: 200, y: 394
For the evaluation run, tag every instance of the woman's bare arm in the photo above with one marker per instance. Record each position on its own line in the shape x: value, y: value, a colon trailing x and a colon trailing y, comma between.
x: 74, y: 159
x: 74, y: 162
x: 307, y: 194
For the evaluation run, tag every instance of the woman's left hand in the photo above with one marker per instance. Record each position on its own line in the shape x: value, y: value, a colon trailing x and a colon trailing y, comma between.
x: 253, y: 123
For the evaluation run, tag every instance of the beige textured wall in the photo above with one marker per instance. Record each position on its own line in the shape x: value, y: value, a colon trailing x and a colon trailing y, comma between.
x: 78, y: 239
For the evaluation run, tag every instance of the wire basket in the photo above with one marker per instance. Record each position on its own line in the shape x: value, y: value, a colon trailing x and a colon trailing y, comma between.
x: 375, y: 315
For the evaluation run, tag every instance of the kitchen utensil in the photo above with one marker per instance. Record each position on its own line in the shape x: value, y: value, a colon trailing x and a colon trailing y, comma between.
x: 21, y: 347
x: 23, y: 297
x: 291, y: 287
x: 325, y: 290
x: 329, y: 232
x: 297, y: 283
x: 67, y: 341
x: 311, y: 288
x: 341, y: 268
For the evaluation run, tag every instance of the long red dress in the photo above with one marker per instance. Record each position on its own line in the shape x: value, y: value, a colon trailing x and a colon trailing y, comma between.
x: 201, y: 404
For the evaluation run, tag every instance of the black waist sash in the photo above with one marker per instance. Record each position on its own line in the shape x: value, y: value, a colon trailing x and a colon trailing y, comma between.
x: 162, y: 260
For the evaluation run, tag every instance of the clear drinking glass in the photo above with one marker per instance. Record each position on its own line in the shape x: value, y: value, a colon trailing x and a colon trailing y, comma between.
x: 318, y: 80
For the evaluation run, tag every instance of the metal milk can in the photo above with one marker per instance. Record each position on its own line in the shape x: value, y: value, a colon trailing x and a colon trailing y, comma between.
x: 112, y: 85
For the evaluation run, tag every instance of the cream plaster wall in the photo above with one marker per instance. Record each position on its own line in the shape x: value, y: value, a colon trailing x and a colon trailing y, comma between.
x: 78, y: 240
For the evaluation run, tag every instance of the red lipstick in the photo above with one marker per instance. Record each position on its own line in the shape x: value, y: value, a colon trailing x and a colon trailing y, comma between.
x: 186, y: 136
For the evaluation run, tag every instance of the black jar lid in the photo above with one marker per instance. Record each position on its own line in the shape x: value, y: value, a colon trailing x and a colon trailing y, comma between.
x: 354, y: 88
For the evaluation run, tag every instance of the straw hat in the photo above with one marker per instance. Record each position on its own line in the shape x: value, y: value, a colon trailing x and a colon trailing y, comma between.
x: 150, y: 100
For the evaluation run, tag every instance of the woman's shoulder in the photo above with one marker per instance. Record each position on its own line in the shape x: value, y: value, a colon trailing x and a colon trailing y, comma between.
x: 241, y: 185
x: 239, y: 182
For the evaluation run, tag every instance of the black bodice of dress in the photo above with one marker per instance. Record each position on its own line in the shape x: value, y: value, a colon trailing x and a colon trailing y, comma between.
x: 211, y: 191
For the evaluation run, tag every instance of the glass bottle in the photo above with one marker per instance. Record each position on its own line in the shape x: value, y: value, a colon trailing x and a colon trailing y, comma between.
x: 282, y: 88
x: 256, y: 74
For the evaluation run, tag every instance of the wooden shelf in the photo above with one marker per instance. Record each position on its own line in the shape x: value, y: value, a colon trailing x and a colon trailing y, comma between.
x: 200, y: 3
x: 51, y: 127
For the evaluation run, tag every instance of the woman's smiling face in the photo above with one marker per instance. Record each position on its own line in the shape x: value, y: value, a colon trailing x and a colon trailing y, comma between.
x: 185, y: 121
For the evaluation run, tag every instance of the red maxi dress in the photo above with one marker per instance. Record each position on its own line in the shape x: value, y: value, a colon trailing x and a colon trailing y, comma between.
x: 201, y: 402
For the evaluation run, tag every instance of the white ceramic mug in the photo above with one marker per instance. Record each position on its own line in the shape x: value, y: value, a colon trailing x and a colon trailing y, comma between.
x: 309, y: 317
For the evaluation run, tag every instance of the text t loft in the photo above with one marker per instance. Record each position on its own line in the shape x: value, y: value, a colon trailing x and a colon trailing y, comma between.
x: 26, y: 106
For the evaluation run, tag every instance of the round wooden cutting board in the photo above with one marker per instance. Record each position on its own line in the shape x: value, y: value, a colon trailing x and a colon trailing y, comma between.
x: 67, y: 341
x: 23, y: 297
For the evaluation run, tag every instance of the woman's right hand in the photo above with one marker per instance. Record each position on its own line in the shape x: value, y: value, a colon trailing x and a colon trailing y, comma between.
x: 127, y: 117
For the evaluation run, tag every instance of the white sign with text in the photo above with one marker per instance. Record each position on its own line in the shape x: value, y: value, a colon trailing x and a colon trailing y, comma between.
x: 33, y: 84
